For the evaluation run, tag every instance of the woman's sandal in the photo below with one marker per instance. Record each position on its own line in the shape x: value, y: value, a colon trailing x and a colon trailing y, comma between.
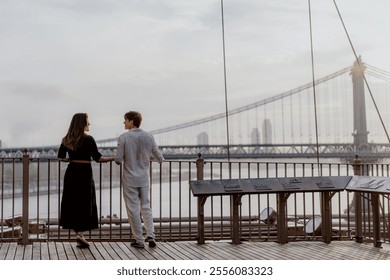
x: 81, y: 242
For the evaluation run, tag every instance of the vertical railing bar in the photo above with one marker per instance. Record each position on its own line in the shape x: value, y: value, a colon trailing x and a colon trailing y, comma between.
x: 339, y: 213
x: 101, y: 216
x: 38, y: 198
x: 121, y: 218
x: 2, y: 199
x: 161, y: 188
x: 25, y: 240
x: 13, y: 194
x: 190, y: 200
x: 180, y: 200
x: 276, y: 170
x: 250, y: 204
x: 58, y: 198
x: 111, y: 198
x: 170, y: 198
x: 151, y: 180
x: 49, y: 191
x: 381, y: 217
x: 388, y: 218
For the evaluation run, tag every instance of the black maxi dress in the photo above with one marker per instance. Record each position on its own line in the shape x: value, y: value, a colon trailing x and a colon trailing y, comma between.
x: 78, y: 204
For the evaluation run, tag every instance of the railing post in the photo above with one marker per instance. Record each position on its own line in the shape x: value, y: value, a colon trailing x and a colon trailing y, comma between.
x: 376, y: 219
x: 357, y: 170
x: 26, y: 186
x: 201, y: 200
x: 200, y: 167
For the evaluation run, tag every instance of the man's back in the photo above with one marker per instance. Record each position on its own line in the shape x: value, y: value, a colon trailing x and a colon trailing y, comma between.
x: 135, y: 148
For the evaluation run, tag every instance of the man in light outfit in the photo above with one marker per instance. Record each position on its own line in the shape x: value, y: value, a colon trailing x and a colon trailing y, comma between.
x: 135, y: 149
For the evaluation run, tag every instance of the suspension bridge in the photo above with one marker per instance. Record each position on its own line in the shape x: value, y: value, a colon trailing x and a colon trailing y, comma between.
x: 352, y: 106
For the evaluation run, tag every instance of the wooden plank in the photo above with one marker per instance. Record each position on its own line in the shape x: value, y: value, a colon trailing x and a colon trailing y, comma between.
x: 95, y: 252
x: 88, y: 255
x: 78, y: 252
x: 167, y: 252
x: 36, y: 251
x: 4, y: 250
x: 158, y: 253
x: 59, y: 247
x: 223, y: 251
x: 100, y: 248
x: 28, y: 252
x: 113, y: 254
x: 19, y: 252
x: 52, y: 251
x: 69, y: 251
x: 136, y: 251
x: 194, y: 249
x: 126, y: 251
x: 44, y: 251
x: 11, y: 251
x: 177, y: 254
x: 121, y: 251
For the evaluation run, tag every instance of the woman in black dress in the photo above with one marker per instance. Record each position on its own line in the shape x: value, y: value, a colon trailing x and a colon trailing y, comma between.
x: 78, y: 205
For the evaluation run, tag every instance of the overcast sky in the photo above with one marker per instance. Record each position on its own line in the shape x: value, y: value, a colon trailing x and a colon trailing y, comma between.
x: 164, y: 58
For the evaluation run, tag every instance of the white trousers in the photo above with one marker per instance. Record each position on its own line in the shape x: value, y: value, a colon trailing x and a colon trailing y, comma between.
x: 138, y: 203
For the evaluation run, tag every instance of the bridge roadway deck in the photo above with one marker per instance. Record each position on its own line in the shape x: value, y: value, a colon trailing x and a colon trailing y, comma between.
x: 189, y: 250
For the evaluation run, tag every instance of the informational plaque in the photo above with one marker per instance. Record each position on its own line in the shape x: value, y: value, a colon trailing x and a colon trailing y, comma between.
x: 268, y: 185
x: 233, y: 185
x: 369, y: 184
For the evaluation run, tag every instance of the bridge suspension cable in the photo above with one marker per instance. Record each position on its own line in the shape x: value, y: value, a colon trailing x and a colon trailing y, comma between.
x: 252, y: 105
x: 314, y: 90
x: 358, y: 60
x: 225, y: 83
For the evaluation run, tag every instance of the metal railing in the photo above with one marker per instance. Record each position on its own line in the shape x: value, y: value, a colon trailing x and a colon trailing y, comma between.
x: 31, y: 189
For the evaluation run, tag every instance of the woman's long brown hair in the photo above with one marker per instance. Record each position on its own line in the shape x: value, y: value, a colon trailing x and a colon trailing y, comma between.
x: 75, y: 131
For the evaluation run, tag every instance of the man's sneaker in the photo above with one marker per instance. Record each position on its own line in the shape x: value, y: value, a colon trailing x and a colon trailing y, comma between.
x: 151, y: 241
x: 137, y: 245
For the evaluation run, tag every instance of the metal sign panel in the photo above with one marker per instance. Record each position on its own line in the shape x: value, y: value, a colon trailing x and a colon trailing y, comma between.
x: 233, y: 185
x: 268, y: 185
x: 314, y: 184
x: 369, y: 184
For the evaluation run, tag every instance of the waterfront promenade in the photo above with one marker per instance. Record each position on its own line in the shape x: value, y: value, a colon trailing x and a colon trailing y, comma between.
x: 190, y: 250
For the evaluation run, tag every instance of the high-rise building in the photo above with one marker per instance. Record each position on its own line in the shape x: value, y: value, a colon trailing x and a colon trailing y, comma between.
x: 255, y: 136
x: 203, y: 139
x: 267, y: 132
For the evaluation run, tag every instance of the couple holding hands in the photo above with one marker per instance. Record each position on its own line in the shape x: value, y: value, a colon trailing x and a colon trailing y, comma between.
x: 134, y: 151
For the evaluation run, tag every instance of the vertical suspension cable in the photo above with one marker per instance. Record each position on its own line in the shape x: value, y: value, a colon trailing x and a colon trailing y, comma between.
x: 292, y: 119
x: 314, y: 91
x: 225, y: 83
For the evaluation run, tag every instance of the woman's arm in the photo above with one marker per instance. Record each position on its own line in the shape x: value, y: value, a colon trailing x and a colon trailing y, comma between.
x: 105, y: 159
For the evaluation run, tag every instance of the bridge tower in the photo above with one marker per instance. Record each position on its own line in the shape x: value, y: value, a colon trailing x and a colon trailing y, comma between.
x: 360, y: 132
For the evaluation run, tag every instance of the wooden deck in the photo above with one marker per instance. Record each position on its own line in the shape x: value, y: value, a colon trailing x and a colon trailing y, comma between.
x: 304, y: 250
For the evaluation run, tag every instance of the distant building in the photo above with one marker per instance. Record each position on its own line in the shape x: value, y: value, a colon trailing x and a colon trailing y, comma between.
x: 255, y: 136
x: 1, y: 144
x: 267, y: 132
x: 203, y: 138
